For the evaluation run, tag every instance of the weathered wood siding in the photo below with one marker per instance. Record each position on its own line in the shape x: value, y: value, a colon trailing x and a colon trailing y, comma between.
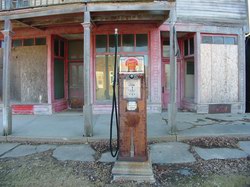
x: 29, y: 74
x: 219, y: 73
x: 212, y: 11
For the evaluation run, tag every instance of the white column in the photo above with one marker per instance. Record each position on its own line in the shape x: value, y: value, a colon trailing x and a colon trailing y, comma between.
x: 7, y: 115
x: 172, y: 106
x: 87, y: 108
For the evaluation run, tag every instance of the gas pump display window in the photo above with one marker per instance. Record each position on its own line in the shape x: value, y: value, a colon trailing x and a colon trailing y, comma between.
x: 132, y: 88
x: 130, y: 65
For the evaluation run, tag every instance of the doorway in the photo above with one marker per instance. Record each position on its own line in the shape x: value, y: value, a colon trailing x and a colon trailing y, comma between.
x: 75, y: 60
x: 75, y: 85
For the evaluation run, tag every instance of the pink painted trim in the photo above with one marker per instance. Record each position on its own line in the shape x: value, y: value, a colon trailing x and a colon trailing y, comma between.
x: 49, y: 68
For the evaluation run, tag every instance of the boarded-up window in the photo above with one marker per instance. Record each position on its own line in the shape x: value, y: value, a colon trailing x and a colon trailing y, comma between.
x: 219, y: 73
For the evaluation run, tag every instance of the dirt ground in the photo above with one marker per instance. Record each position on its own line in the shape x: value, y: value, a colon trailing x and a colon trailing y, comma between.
x: 43, y: 170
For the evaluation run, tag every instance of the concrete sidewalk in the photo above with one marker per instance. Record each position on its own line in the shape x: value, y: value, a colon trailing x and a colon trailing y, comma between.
x: 68, y: 127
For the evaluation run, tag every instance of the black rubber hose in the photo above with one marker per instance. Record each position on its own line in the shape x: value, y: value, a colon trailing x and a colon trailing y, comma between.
x: 114, y: 105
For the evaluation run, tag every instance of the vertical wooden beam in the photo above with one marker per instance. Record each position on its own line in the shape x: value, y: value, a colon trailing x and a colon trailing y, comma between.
x: 7, y: 116
x: 172, y: 107
x: 87, y: 108
x: 197, y: 42
x: 242, y: 72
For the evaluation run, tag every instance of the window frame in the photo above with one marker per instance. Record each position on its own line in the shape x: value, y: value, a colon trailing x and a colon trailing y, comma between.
x: 119, y: 53
x: 33, y: 38
x: 220, y: 35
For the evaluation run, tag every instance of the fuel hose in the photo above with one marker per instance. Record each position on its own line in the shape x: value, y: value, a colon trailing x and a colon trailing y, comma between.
x: 114, y: 110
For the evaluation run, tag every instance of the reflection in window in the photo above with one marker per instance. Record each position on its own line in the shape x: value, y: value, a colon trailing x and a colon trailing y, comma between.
x: 128, y: 42
x: 141, y: 42
x: 207, y: 39
x: 101, y: 43
x: 104, y: 76
x: 230, y: 40
x: 218, y: 40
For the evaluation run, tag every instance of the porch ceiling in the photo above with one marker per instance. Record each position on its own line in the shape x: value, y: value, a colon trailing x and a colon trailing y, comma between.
x: 156, y: 17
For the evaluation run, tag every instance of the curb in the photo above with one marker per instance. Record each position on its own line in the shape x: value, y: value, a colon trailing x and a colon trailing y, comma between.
x: 86, y: 140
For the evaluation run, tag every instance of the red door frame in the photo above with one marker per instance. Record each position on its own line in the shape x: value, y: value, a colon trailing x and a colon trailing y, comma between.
x: 59, y: 104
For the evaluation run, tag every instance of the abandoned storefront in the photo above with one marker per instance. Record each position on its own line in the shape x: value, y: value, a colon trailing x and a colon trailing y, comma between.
x: 49, y: 51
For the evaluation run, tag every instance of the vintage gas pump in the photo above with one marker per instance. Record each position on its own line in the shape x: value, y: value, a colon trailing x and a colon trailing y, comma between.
x: 132, y: 109
x: 132, y: 161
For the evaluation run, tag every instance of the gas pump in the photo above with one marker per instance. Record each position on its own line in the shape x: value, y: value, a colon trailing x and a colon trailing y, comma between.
x: 132, y: 160
x: 132, y: 109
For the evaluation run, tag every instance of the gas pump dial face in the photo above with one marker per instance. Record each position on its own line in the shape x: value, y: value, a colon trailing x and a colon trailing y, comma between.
x: 132, y: 88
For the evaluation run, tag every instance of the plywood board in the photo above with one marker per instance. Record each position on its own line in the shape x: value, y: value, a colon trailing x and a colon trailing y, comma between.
x: 29, y: 74
x: 219, y: 73
x: 206, y: 71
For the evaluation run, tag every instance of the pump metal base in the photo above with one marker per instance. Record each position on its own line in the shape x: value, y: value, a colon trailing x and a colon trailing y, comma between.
x: 133, y: 171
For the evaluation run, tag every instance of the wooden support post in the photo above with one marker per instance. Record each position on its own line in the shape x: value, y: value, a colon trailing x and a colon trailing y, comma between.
x: 87, y: 108
x: 7, y: 116
x: 172, y: 108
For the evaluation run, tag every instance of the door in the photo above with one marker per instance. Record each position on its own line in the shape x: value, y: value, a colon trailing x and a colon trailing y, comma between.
x: 76, y: 85
x: 165, y: 83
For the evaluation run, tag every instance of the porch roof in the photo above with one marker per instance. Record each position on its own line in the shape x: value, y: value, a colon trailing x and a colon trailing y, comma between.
x: 101, y: 13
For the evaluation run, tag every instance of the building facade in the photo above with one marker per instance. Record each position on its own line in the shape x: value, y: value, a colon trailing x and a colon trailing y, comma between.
x: 59, y: 54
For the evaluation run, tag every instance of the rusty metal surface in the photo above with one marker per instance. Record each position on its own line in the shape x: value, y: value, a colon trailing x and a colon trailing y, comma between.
x: 133, y: 123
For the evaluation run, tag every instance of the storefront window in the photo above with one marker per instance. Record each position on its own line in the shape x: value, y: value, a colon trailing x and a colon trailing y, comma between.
x: 104, y: 63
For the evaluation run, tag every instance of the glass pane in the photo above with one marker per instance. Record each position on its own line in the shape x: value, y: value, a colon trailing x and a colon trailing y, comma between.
x: 80, y: 75
x: 73, y: 75
x: 62, y: 48
x: 112, y: 43
x: 128, y: 42
x: 190, y: 68
x: 75, y: 50
x: 186, y: 47
x: 189, y: 80
x: 56, y: 47
x: 104, y: 77
x: 59, y: 78
x: 28, y: 42
x: 166, y: 49
x: 141, y: 42
x: 229, y: 40
x: 101, y: 43
x: 207, y: 40
x: 17, y: 43
x: 218, y: 40
x: 191, y: 43
x: 40, y: 41
x: 167, y: 76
